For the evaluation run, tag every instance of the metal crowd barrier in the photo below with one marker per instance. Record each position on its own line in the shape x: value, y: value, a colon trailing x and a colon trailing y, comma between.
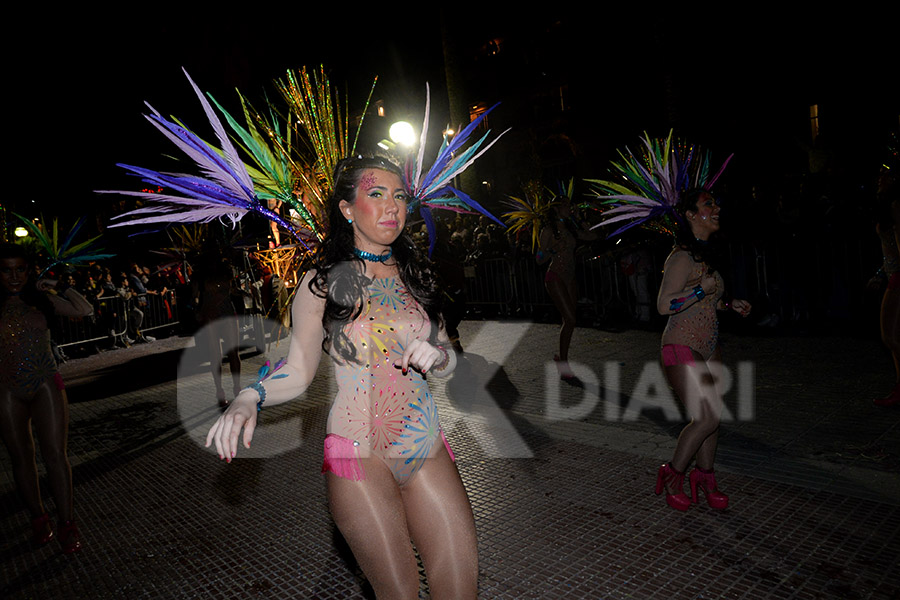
x: 794, y: 279
x: 160, y: 311
x: 110, y: 318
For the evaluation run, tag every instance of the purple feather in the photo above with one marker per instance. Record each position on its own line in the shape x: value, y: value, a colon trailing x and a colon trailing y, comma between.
x: 465, y: 198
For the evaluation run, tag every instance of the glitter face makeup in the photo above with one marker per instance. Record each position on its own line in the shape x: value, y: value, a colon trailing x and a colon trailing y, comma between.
x: 378, y: 210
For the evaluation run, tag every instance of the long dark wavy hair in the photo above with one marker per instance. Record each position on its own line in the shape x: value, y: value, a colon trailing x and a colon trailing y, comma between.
x: 701, y: 251
x: 30, y: 294
x: 340, y: 276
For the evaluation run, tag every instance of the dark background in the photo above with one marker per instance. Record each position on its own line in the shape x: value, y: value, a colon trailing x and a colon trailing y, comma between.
x: 733, y: 80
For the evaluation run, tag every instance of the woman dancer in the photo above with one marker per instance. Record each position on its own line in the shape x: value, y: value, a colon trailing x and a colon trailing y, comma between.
x: 371, y: 304
x: 217, y: 317
x: 557, y: 241
x: 31, y: 389
x: 888, y: 230
x: 691, y: 292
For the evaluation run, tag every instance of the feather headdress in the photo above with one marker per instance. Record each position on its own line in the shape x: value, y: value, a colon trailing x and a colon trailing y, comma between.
x: 225, y: 193
x: 62, y: 251
x: 278, y: 173
x: 432, y: 189
x: 317, y: 111
x: 532, y: 209
x: 650, y: 183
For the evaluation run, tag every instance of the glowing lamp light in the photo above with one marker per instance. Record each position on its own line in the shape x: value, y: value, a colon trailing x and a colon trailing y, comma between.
x: 402, y: 133
x: 20, y: 232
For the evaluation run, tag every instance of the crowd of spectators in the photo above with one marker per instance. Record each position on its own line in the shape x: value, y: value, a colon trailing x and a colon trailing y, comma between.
x: 135, y: 302
x: 122, y: 295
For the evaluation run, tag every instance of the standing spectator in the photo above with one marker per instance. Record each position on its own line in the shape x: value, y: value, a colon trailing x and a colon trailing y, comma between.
x: 134, y: 315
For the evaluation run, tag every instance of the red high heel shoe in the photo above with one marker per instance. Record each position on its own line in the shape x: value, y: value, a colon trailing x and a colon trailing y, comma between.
x: 69, y: 537
x: 668, y: 478
x: 565, y: 371
x: 42, y: 531
x: 705, y: 481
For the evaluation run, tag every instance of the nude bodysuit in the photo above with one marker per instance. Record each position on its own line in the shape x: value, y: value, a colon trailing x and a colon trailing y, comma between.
x: 379, y: 410
x: 697, y: 326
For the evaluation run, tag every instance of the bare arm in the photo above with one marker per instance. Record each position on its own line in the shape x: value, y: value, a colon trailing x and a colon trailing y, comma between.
x: 67, y: 304
x: 677, y: 291
x: 287, y: 382
x: 546, y: 246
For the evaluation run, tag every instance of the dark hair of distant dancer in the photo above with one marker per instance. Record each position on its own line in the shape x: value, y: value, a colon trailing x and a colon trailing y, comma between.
x: 704, y: 251
x: 32, y: 391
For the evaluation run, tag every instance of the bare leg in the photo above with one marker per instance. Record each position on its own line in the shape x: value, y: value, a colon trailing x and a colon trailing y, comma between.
x: 371, y: 517
x: 696, y: 387
x: 563, y: 296
x: 706, y: 454
x: 214, y: 352
x: 50, y: 410
x: 229, y: 331
x: 890, y: 326
x: 443, y: 528
x: 15, y: 427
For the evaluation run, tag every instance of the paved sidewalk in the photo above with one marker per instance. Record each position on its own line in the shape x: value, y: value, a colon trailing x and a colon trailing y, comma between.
x: 560, y: 477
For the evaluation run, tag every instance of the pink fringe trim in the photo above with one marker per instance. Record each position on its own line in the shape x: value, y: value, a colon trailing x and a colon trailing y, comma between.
x: 342, y: 458
x: 676, y: 354
x: 447, y: 446
x: 58, y: 380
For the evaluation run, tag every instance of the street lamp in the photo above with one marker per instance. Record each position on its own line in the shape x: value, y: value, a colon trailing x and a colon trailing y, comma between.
x: 402, y: 133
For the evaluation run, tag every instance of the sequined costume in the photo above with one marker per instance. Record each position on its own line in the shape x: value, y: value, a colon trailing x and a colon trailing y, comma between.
x: 562, y: 263
x: 378, y: 409
x: 27, y: 360
x: 695, y: 326
x: 25, y: 349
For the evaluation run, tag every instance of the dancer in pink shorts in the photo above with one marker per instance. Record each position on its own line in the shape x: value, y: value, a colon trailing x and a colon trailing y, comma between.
x: 691, y: 292
x: 666, y: 187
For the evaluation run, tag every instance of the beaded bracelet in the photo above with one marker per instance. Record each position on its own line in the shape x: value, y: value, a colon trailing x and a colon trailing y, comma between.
x: 262, y: 394
x: 699, y: 293
x: 444, y: 361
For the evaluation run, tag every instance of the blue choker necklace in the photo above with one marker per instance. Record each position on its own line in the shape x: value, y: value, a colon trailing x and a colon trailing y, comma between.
x: 380, y: 258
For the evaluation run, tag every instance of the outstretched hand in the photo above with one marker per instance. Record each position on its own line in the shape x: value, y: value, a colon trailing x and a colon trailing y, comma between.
x: 419, y: 355
x: 241, y: 414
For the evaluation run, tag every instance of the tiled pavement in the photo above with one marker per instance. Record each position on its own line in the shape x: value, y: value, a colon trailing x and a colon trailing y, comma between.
x: 560, y: 478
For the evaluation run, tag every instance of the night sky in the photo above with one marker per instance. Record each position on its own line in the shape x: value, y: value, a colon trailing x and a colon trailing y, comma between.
x: 743, y: 82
